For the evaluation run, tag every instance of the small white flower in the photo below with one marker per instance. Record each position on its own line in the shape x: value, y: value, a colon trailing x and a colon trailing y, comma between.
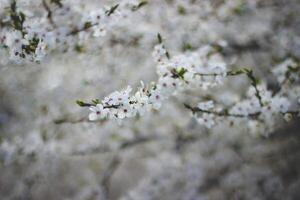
x: 98, y: 112
x: 14, y: 39
x: 207, y: 120
x: 99, y: 30
x: 140, y: 104
x: 96, y: 16
x: 118, y: 97
x: 40, y: 51
x: 255, y: 127
x: 159, y: 52
x: 167, y: 85
x: 126, y: 112
x: 207, y: 105
x: 288, y: 117
x: 50, y: 39
x: 280, y: 70
x: 189, y: 76
x: 156, y: 99
x: 280, y: 104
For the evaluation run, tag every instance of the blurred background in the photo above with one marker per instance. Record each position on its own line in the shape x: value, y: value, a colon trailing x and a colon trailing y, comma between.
x: 47, y: 153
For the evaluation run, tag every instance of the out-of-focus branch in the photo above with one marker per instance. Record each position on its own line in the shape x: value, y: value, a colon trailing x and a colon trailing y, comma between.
x: 247, y: 72
x: 223, y: 113
x: 108, y: 173
x: 49, y: 13
x: 124, y: 145
x: 71, y: 121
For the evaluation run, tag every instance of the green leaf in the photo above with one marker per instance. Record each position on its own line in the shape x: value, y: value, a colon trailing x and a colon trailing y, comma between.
x: 80, y: 103
x: 79, y: 48
x: 167, y: 54
x: 141, y: 4
x: 180, y: 72
x: 87, y: 25
x: 187, y: 46
x: 111, y: 10
x: 159, y: 38
x: 57, y: 2
x: 96, y: 101
x: 181, y: 10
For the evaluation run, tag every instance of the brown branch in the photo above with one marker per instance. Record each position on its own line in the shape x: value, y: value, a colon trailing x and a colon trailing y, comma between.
x: 49, y: 13
x: 106, y: 180
x: 223, y: 113
x: 71, y: 121
x: 86, y: 26
x: 247, y: 72
x: 123, y: 146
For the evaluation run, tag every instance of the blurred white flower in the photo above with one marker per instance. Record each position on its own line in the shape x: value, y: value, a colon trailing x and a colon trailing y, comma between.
x: 207, y: 105
x: 98, y: 112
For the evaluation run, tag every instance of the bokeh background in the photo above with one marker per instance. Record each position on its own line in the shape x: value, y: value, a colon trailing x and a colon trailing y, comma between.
x: 47, y: 153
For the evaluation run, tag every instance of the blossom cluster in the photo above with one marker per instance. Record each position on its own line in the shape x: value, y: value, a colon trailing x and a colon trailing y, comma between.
x: 261, y: 108
x: 248, y: 109
x: 287, y: 70
x: 31, y: 29
x: 204, y: 68
x: 175, y: 74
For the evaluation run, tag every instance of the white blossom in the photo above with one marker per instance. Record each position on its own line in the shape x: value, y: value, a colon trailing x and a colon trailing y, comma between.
x: 206, y: 120
x: 207, y: 105
x: 98, y: 112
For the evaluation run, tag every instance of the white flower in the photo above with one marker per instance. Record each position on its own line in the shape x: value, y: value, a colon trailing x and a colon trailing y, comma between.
x: 99, y: 30
x: 288, y: 117
x: 98, y: 112
x: 40, y: 51
x: 167, y: 85
x: 207, y: 105
x: 141, y: 102
x: 163, y: 69
x: 255, y: 127
x: 207, y: 120
x: 96, y: 16
x: 14, y: 39
x: 156, y: 99
x: 50, y: 39
x: 124, y: 112
x: 280, y: 70
x: 280, y: 104
x: 159, y: 52
x: 118, y: 97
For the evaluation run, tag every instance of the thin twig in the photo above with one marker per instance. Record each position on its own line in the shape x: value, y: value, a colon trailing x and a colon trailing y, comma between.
x: 84, y: 28
x: 106, y: 180
x: 223, y: 113
x: 49, y: 13
x: 71, y: 121
x: 124, y: 145
x: 245, y: 71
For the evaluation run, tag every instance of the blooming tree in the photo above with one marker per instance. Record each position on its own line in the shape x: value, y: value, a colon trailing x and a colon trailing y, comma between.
x: 203, y: 69
x: 213, y: 122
